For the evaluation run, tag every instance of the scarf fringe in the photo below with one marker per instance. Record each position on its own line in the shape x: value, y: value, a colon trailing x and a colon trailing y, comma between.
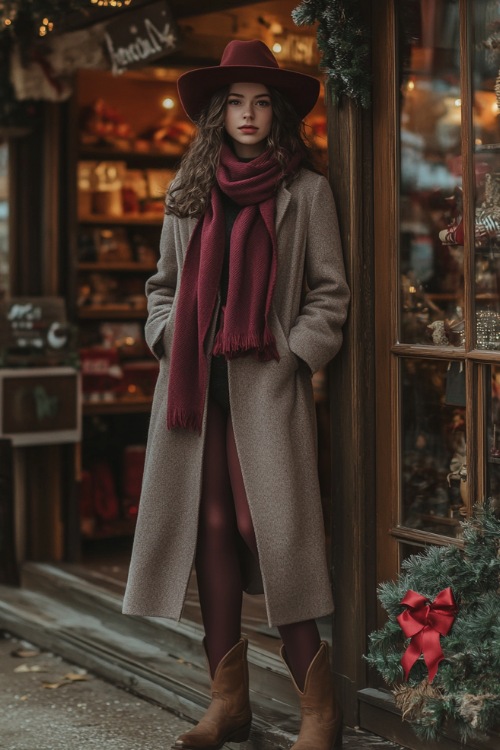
x: 236, y: 345
x: 187, y: 420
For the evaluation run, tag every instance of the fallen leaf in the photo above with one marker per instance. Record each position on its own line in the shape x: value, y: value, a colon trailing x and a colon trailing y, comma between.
x: 54, y: 685
x: 76, y: 676
x: 30, y: 668
x: 24, y: 653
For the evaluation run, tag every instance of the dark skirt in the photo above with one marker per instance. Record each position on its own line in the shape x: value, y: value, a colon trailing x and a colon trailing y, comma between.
x: 218, y: 389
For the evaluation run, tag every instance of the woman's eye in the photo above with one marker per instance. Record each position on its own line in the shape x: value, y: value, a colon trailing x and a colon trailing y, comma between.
x: 264, y: 103
x: 233, y: 101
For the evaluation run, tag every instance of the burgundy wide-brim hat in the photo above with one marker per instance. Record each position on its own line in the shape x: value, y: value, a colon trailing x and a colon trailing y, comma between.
x: 246, y: 62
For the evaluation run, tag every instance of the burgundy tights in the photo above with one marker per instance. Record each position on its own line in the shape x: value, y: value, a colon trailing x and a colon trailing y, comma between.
x: 224, y: 511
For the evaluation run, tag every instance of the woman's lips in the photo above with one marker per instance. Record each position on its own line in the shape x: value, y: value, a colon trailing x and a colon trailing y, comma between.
x: 247, y: 129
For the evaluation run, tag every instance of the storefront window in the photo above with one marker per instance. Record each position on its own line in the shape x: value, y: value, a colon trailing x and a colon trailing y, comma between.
x: 431, y: 244
x: 486, y: 114
x: 434, y: 478
x: 493, y: 435
x: 4, y: 218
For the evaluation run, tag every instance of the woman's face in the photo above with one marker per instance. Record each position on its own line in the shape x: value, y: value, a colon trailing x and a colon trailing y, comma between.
x: 248, y: 118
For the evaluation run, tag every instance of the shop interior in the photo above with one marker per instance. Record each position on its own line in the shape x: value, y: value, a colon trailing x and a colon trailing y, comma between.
x: 130, y: 134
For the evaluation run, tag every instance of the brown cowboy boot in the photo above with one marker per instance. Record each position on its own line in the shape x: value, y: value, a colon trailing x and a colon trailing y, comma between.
x: 321, y: 727
x: 229, y: 715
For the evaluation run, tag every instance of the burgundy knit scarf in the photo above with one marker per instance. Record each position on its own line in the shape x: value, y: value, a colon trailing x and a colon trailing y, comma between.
x: 244, y: 325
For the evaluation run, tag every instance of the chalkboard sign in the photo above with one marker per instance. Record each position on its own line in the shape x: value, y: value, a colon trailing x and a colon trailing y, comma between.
x: 40, y: 406
x: 138, y: 37
x: 33, y: 330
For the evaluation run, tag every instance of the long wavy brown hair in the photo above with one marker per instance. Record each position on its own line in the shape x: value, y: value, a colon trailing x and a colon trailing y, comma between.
x: 190, y: 190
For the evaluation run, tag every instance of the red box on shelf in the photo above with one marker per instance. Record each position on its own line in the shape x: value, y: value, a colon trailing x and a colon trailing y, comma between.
x: 101, y: 371
x: 139, y: 378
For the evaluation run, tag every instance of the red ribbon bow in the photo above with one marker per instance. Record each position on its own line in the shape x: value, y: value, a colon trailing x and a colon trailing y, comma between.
x: 424, y: 622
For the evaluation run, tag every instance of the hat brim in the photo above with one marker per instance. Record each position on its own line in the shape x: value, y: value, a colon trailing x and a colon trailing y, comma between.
x: 196, y: 87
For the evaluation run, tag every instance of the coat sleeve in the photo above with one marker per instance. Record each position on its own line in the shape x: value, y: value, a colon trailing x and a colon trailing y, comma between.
x: 316, y: 335
x: 160, y: 288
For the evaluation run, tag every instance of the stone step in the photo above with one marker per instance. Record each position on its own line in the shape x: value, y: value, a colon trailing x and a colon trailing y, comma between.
x: 156, y: 659
x: 184, y: 640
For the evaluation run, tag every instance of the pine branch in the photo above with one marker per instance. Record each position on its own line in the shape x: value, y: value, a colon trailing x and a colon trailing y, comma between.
x: 467, y: 684
x: 343, y: 40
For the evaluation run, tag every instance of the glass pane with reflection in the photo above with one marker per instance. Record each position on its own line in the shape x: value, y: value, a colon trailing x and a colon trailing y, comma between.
x: 433, y: 443
x: 492, y: 375
x: 431, y: 237
x: 486, y: 122
x: 4, y: 221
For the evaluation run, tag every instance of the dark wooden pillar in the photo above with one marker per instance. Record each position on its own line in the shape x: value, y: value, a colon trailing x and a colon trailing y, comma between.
x: 8, y: 564
x: 352, y: 377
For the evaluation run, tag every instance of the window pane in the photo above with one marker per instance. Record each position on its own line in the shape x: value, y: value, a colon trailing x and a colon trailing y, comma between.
x: 493, y: 435
x: 4, y: 218
x: 431, y: 245
x: 434, y: 479
x: 486, y: 101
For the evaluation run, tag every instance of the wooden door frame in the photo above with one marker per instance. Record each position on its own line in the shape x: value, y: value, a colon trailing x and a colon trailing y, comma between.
x: 352, y: 398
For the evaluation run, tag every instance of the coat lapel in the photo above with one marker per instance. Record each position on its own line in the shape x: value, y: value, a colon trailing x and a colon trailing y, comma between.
x: 282, y: 202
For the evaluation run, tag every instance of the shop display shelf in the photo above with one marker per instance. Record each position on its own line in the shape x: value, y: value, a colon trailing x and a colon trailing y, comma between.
x: 487, y: 148
x: 151, y: 219
x: 112, y: 267
x: 109, y: 312
x: 112, y: 529
x: 140, y: 159
x: 445, y: 296
x: 118, y: 406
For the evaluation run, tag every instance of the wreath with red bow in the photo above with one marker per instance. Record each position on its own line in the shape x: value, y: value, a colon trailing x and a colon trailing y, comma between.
x: 440, y: 647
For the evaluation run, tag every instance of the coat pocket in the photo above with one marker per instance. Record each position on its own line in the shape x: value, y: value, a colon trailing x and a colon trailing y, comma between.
x: 286, y: 354
x: 168, y: 334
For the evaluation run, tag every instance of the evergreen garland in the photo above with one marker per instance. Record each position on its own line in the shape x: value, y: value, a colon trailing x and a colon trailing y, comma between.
x: 343, y: 40
x: 466, y: 688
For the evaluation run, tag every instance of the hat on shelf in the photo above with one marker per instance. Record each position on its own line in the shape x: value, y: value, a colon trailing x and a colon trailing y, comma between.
x: 246, y: 62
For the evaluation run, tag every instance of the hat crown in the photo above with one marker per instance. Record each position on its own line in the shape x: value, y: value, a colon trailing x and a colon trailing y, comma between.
x: 254, y: 53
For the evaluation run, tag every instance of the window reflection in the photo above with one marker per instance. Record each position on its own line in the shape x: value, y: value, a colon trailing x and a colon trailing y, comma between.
x: 431, y: 237
x: 486, y: 120
x: 4, y: 217
x: 493, y: 436
x: 433, y: 435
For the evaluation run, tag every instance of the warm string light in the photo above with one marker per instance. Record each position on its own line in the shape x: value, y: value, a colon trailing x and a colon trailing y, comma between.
x: 9, y: 10
x: 45, y: 26
x: 8, y: 13
x: 114, y: 3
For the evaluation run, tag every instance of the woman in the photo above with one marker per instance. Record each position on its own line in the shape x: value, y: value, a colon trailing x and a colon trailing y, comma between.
x: 248, y: 300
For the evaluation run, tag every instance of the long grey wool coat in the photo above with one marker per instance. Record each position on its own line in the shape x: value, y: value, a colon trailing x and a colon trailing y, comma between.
x: 273, y: 416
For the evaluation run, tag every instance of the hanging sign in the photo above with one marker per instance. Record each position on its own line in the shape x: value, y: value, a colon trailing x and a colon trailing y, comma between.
x: 33, y: 330
x: 140, y: 36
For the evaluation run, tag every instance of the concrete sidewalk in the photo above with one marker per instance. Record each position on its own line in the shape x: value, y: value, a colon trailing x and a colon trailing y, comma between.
x: 48, y: 703
x: 79, y: 715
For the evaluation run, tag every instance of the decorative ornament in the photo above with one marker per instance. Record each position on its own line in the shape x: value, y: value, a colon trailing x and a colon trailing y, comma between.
x: 425, y: 622
x: 344, y: 43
